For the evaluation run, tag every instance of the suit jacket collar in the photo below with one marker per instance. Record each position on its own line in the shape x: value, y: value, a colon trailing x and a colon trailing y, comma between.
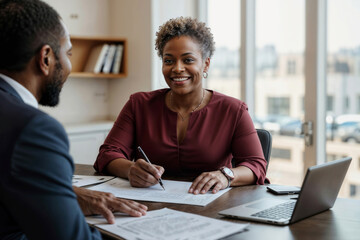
x: 4, y: 86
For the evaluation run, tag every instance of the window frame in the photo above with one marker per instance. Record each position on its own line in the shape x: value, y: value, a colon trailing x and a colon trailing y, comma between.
x: 315, y: 68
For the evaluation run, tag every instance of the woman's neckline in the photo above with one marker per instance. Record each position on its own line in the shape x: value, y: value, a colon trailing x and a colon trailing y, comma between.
x: 166, y: 90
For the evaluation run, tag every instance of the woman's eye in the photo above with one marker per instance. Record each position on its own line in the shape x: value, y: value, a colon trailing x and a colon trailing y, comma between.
x: 189, y: 60
x: 167, y: 61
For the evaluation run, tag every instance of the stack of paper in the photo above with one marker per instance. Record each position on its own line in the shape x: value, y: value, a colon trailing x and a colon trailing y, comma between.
x: 167, y: 224
x: 84, y: 180
x: 175, y: 192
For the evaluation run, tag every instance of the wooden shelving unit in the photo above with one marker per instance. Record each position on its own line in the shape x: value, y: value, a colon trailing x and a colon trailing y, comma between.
x: 82, y: 47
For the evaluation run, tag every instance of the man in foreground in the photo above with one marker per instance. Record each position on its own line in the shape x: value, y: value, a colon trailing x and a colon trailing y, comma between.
x: 37, y: 198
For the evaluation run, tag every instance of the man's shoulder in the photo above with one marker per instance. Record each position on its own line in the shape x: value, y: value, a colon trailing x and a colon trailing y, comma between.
x: 15, y: 116
x: 11, y: 105
x: 27, y: 131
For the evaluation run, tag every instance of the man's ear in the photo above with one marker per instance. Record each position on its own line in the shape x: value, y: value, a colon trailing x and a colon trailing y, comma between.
x: 46, y: 58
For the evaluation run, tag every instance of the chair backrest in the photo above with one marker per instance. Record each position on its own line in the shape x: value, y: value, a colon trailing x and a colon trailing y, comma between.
x: 266, y: 143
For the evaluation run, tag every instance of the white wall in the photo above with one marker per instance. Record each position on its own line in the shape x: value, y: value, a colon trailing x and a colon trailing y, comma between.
x: 139, y: 20
x: 92, y: 99
x: 163, y: 10
x: 83, y: 99
x: 131, y: 19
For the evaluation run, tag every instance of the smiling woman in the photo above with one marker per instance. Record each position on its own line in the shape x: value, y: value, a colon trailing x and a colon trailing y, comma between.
x: 185, y: 130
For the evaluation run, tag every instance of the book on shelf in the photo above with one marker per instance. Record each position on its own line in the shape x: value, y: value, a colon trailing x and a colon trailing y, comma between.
x: 96, y: 58
x: 93, y: 58
x: 105, y: 58
x: 115, y: 68
x: 109, y: 58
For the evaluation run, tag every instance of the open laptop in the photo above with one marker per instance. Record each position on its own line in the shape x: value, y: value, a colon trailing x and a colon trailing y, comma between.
x: 318, y: 193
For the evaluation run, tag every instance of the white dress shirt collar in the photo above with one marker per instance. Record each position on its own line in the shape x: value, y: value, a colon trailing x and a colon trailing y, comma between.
x: 25, y: 94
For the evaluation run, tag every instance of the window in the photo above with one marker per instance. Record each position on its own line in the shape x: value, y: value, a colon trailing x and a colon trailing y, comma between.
x: 354, y: 190
x: 281, y: 102
x: 224, y: 73
x: 291, y: 67
x: 343, y: 84
x: 302, y: 100
x: 279, y: 84
x: 278, y: 106
x: 281, y: 153
x: 347, y: 104
x: 330, y: 103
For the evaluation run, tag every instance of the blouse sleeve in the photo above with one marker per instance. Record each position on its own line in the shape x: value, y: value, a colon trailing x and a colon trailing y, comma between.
x: 246, y: 146
x: 119, y: 142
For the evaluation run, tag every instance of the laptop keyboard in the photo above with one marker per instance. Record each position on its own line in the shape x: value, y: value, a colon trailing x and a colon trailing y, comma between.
x: 280, y: 211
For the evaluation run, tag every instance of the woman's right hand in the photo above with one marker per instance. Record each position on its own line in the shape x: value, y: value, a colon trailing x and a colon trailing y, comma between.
x: 143, y: 174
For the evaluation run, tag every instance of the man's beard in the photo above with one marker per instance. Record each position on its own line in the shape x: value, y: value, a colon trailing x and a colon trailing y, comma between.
x: 51, y: 92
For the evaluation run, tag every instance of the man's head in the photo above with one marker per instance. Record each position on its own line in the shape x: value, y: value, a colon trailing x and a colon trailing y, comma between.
x: 33, y: 35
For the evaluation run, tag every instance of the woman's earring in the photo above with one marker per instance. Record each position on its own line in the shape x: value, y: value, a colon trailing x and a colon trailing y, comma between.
x: 205, y: 74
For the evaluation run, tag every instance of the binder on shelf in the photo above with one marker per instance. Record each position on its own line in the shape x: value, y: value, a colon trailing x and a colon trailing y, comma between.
x: 115, y: 68
x: 109, y: 58
x: 101, y: 58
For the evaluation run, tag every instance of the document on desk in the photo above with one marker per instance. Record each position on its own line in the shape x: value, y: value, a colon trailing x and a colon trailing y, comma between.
x: 84, y: 180
x: 167, y: 224
x: 175, y: 192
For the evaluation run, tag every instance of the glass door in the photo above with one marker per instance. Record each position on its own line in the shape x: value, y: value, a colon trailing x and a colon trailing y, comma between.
x: 343, y: 89
x: 307, y: 62
x: 279, y: 84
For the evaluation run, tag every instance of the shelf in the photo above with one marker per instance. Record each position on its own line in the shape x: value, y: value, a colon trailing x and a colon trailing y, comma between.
x: 82, y: 47
x: 96, y: 75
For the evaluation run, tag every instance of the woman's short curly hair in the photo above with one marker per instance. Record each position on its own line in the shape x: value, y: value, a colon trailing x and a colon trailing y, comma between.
x: 185, y: 26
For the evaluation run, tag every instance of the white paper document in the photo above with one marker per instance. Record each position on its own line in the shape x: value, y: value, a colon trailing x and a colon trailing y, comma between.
x: 175, y: 192
x: 168, y: 224
x: 84, y: 180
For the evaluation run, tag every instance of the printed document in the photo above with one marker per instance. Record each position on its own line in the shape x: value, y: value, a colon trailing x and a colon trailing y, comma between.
x: 167, y: 224
x: 84, y: 180
x: 175, y: 192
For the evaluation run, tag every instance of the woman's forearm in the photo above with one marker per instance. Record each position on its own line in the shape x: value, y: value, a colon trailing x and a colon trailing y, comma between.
x: 119, y: 167
x: 243, y: 176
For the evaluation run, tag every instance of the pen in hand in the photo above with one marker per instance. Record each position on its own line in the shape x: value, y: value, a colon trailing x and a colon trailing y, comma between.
x: 148, y: 161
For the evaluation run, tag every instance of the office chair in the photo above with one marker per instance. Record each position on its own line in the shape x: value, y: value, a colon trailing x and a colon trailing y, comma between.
x: 266, y: 143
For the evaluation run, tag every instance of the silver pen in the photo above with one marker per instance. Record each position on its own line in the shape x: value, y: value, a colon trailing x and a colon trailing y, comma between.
x: 148, y: 161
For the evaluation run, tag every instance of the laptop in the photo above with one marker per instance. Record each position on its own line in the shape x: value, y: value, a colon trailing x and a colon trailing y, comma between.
x: 318, y: 193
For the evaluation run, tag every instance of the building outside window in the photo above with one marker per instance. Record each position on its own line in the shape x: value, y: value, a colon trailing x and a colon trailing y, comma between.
x: 291, y: 67
x: 224, y: 73
x: 280, y: 80
x: 278, y: 106
x: 330, y: 104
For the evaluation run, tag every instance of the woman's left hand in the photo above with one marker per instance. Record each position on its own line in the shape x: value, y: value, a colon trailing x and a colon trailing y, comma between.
x: 209, y: 180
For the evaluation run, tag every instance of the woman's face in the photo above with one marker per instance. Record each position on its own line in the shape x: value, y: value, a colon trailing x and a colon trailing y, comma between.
x: 183, y: 65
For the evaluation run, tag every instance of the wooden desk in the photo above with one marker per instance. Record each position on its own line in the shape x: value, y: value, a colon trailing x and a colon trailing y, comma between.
x: 340, y: 222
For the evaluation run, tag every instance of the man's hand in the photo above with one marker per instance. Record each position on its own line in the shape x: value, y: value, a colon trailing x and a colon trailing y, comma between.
x: 95, y: 202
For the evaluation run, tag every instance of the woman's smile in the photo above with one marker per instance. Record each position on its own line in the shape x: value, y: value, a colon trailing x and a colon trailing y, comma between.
x: 180, y: 79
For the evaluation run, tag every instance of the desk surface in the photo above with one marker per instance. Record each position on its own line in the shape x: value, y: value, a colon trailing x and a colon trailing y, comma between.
x: 340, y: 222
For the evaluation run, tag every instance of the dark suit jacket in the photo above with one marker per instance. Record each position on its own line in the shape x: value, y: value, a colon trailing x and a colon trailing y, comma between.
x: 37, y: 200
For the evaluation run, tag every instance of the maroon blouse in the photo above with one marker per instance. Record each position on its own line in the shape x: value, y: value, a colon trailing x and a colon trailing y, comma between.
x: 216, y: 134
